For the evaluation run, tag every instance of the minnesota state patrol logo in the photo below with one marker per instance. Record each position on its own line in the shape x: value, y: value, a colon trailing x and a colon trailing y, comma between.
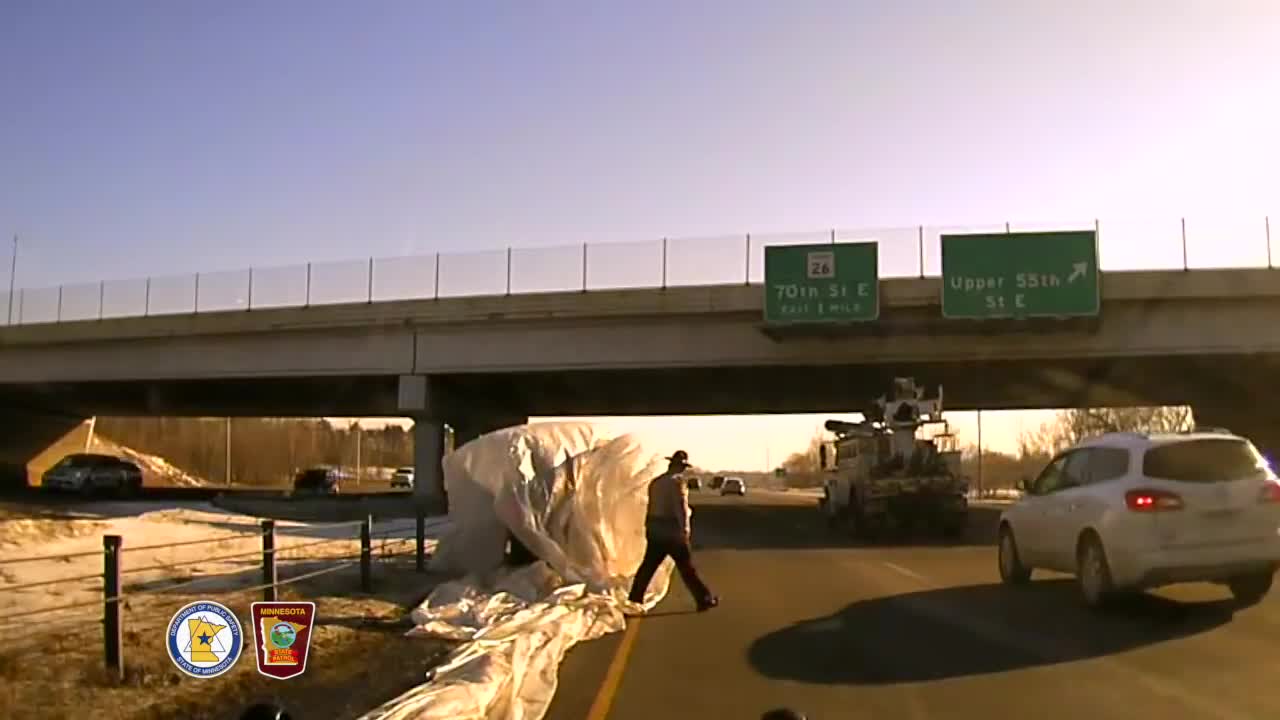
x: 205, y: 639
x: 282, y: 634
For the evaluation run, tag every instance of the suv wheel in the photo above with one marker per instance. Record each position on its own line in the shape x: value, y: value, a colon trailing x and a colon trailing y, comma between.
x: 1012, y: 571
x: 1250, y: 589
x: 1093, y: 574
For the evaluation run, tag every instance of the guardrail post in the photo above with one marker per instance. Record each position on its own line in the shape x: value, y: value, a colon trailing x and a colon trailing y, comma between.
x: 366, y: 554
x: 112, y: 628
x: 269, y: 576
x: 420, y: 559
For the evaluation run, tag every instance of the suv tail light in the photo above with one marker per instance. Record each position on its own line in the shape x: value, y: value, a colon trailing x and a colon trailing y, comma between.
x: 1270, y: 492
x: 1152, y: 501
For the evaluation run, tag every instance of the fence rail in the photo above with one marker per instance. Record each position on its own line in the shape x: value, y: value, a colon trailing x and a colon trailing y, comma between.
x: 1168, y: 244
x: 114, y: 571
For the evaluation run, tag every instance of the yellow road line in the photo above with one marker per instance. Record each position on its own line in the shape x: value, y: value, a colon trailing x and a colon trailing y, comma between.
x: 613, y: 677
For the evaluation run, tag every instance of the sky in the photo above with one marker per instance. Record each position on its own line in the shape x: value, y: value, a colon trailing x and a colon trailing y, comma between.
x: 163, y: 139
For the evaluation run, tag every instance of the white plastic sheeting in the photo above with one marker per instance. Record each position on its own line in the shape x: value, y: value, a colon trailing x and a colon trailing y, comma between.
x: 577, y: 501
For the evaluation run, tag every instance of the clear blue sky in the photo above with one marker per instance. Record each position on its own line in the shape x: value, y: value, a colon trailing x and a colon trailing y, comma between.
x: 145, y: 138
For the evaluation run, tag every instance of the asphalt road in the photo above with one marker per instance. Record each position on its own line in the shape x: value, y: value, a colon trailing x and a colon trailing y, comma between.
x: 811, y: 621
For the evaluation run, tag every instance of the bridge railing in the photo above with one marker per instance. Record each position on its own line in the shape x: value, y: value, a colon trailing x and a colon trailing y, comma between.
x: 1169, y: 244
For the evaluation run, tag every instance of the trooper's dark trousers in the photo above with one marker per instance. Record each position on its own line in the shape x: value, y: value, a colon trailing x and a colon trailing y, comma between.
x: 658, y: 545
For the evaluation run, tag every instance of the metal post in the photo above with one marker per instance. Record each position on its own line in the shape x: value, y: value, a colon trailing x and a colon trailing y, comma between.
x: 146, y: 299
x: 269, y: 576
x: 102, y: 296
x: 1006, y: 227
x: 1184, y: 244
x: 307, y: 299
x: 1268, y: 221
x: 359, y: 464
x: 979, y: 453
x: 249, y: 299
x: 196, y: 309
x: 371, y: 280
x: 228, y: 459
x: 664, y: 263
x: 584, y: 267
x: 920, y: 235
x: 366, y: 554
x: 13, y: 274
x: 420, y: 557
x: 437, y: 288
x: 833, y: 236
x: 112, y: 628
x: 59, y: 315
x: 508, y: 270
x: 747, y: 280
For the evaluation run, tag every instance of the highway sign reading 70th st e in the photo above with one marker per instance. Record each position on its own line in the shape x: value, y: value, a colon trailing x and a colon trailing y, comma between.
x: 826, y: 283
x: 1020, y: 275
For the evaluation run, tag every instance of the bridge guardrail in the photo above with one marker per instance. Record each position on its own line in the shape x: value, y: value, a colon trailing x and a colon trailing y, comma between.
x: 1173, y: 244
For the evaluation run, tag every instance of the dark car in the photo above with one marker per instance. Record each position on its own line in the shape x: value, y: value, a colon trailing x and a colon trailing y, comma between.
x: 693, y: 483
x: 93, y: 472
x: 318, y: 481
x: 717, y: 482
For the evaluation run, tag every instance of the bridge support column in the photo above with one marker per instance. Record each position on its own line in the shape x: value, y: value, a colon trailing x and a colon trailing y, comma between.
x: 428, y: 458
x: 416, y: 399
x: 1256, y: 424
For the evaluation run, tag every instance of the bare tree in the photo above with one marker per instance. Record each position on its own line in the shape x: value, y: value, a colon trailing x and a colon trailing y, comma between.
x: 1072, y: 426
x: 808, y: 461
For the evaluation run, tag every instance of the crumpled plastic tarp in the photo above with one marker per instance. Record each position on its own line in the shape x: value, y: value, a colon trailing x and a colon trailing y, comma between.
x: 577, y: 501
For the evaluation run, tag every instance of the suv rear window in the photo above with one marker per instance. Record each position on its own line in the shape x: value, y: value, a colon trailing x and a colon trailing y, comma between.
x: 1202, y: 461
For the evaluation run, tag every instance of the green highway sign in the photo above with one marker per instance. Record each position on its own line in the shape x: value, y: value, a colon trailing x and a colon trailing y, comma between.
x: 828, y: 283
x: 1020, y: 275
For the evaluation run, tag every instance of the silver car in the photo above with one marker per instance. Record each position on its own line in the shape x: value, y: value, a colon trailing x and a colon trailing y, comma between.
x: 1124, y: 512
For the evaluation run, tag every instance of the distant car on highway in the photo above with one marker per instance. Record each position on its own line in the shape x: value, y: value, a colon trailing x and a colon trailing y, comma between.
x: 318, y: 481
x: 694, y: 483
x: 92, y: 472
x: 733, y: 486
x: 1126, y: 512
x: 403, y: 478
x: 717, y: 482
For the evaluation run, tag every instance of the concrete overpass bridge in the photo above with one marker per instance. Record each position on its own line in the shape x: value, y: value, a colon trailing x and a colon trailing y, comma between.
x: 1210, y: 339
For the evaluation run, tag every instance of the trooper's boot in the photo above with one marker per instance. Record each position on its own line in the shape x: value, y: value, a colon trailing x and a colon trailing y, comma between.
x: 707, y: 603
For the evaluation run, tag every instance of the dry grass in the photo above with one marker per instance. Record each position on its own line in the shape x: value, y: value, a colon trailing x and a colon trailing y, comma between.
x: 358, y: 658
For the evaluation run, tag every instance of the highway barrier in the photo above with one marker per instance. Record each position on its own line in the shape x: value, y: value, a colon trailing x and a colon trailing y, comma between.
x: 31, y: 624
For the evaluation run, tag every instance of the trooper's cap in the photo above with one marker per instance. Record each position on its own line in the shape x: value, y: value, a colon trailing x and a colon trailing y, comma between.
x: 679, y: 456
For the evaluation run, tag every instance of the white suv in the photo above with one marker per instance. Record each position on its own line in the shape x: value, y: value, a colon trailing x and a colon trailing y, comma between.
x: 1127, y: 511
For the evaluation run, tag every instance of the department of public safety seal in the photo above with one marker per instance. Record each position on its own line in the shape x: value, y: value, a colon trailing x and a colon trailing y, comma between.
x: 204, y: 639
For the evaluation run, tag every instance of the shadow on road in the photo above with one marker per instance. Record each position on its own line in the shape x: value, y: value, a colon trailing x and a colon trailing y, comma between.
x: 747, y: 525
x: 971, y: 630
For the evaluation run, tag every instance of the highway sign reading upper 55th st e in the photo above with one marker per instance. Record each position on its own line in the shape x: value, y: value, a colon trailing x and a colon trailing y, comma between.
x: 1020, y: 275
x: 828, y: 283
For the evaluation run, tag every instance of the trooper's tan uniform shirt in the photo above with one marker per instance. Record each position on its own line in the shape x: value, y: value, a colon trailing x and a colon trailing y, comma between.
x: 669, y: 502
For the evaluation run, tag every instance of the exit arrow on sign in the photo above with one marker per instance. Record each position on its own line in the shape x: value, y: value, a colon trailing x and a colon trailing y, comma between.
x: 1077, y: 271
